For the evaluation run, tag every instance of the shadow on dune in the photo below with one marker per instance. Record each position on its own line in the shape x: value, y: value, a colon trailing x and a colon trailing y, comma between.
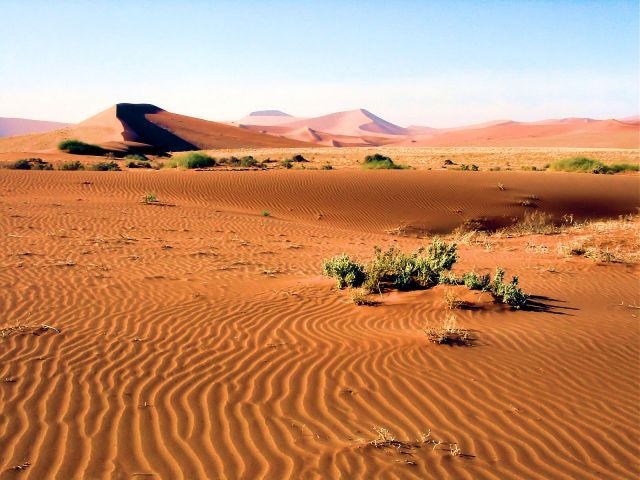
x: 145, y: 131
x: 539, y: 303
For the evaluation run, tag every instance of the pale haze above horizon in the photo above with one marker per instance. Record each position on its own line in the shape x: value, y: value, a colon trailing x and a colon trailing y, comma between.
x: 411, y: 62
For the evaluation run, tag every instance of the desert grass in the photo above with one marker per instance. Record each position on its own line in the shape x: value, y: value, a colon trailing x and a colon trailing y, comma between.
x: 360, y: 297
x: 424, y: 158
x: 447, y: 332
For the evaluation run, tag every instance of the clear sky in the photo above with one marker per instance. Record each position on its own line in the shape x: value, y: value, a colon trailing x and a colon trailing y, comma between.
x: 436, y: 63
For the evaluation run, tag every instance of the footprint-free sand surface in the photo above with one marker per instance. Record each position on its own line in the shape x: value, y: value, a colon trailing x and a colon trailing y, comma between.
x: 197, y: 339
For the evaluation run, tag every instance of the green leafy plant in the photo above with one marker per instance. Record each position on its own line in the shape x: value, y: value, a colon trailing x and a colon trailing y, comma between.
x: 191, y: 160
x: 508, y: 293
x: 347, y: 272
x: 381, y: 162
x: 473, y: 281
x: 31, y: 164
x: 78, y: 147
x: 265, y: 213
x: 589, y: 165
x: 106, y: 167
x: 71, y: 166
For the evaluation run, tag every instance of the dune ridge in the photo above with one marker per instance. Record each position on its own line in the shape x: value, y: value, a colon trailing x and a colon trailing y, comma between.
x: 147, y: 128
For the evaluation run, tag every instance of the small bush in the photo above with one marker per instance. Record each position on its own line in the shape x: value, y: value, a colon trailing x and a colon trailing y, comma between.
x: 106, y: 167
x: 589, y: 165
x: 473, y: 281
x: 265, y: 213
x: 149, y: 198
x: 361, y: 297
x: 380, y: 162
x: 508, y: 293
x: 248, y: 161
x: 77, y: 147
x: 326, y: 166
x: 31, y: 164
x: 136, y: 157
x: 191, y: 160
x: 139, y: 164
x: 298, y: 159
x: 71, y: 166
x: 346, y: 272
x: 448, y: 332
x: 286, y: 164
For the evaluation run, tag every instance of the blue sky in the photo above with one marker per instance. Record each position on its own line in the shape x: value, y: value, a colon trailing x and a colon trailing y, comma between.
x: 411, y: 62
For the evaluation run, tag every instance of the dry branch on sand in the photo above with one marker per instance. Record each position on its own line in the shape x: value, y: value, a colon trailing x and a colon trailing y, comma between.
x: 27, y: 329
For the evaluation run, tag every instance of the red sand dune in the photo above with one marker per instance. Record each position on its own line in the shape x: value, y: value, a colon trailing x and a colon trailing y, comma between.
x: 21, y: 126
x: 362, y: 128
x: 197, y: 339
x: 142, y: 126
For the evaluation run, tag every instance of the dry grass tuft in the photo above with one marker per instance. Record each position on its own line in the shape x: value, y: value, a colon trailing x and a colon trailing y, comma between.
x: 361, y: 297
x: 448, y: 332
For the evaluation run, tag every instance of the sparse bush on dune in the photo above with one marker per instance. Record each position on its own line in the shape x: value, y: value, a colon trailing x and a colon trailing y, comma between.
x: 286, y: 164
x: 71, y: 166
x: 191, y: 160
x: 347, y: 272
x: 589, y: 165
x: 248, y: 161
x: 136, y: 157
x: 298, y: 159
x: 326, y: 166
x: 31, y: 164
x: 508, y: 293
x: 78, y: 147
x: 380, y: 162
x: 420, y: 269
x: 105, y: 167
x: 139, y: 164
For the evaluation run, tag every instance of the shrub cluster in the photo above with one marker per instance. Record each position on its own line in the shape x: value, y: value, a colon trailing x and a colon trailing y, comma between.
x: 392, y: 268
x: 139, y: 164
x: 105, y: 167
x: 420, y: 269
x: 77, y: 147
x: 31, y: 164
x: 589, y: 165
x: 380, y: 162
x: 71, y: 166
x: 191, y: 160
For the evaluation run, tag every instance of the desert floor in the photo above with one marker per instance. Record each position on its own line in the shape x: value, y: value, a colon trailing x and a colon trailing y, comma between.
x: 197, y: 338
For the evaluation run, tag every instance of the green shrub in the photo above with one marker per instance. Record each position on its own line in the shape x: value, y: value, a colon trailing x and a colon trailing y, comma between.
x: 105, y: 167
x: 265, y: 213
x: 248, y: 161
x: 346, y: 272
x: 508, y: 293
x: 71, y: 166
x: 405, y: 271
x: 473, y: 281
x: 139, y: 164
x: 136, y: 157
x: 31, y: 164
x: 298, y: 159
x: 589, y: 165
x: 191, y: 160
x: 380, y: 162
x: 286, y: 164
x: 326, y: 166
x: 77, y: 147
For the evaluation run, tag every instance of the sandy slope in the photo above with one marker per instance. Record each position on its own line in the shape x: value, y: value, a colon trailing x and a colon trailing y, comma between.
x: 125, y: 126
x: 22, y: 126
x: 362, y: 128
x: 197, y: 339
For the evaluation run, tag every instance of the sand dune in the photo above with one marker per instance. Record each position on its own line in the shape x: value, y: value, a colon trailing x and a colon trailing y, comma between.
x: 148, y: 128
x: 362, y: 128
x: 198, y: 340
x: 21, y: 126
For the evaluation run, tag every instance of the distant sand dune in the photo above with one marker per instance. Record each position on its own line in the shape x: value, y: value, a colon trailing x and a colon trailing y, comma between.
x: 148, y: 128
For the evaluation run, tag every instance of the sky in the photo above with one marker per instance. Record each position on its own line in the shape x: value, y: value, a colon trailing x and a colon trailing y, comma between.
x: 434, y: 63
